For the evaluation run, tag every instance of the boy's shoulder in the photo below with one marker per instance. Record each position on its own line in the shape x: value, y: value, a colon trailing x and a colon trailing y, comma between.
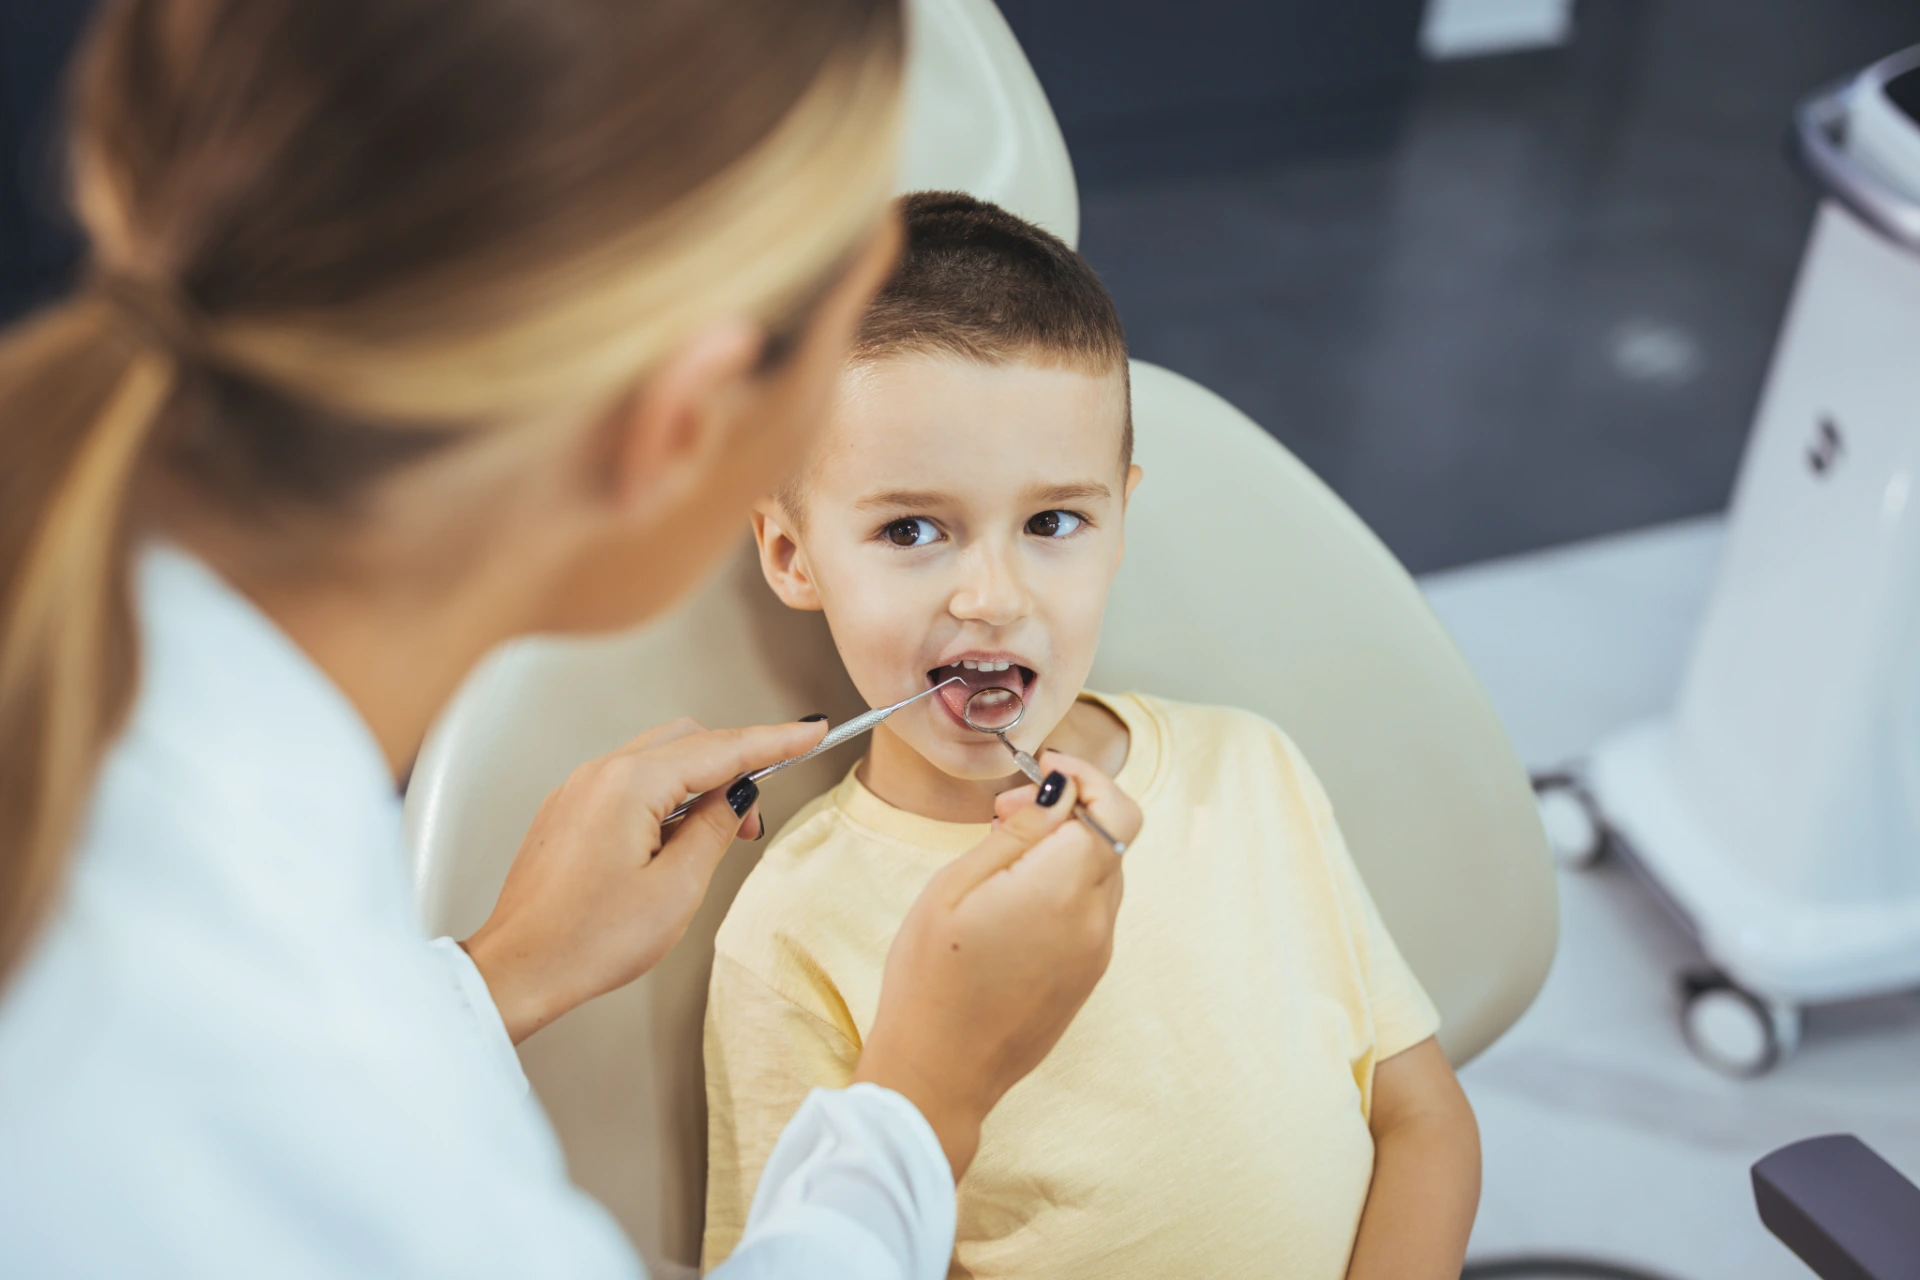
x: 800, y: 855
x: 1190, y: 727
x: 806, y: 830
x: 1211, y: 720
x: 1211, y: 741
x: 821, y: 876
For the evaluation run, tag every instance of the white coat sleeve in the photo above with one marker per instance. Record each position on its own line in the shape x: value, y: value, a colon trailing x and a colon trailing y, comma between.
x: 856, y: 1189
x: 857, y: 1186
x: 470, y: 992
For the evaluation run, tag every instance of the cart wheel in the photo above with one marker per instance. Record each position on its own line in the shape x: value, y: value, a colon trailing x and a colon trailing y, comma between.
x: 1576, y: 836
x: 1733, y: 1030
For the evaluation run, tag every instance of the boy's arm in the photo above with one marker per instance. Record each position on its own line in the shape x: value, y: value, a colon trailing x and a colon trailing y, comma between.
x: 764, y: 1054
x: 1426, y: 1172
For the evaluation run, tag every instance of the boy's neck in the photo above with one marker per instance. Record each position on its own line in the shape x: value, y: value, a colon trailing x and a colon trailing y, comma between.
x: 905, y: 779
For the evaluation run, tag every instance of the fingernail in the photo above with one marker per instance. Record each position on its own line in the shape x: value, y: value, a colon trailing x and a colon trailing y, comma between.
x: 815, y: 718
x: 1052, y: 787
x: 763, y: 828
x: 741, y: 795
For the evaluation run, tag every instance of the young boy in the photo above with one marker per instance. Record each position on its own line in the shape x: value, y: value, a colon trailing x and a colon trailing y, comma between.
x: 1253, y: 1089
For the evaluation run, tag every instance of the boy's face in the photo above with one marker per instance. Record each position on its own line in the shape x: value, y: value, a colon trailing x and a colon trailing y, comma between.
x: 961, y: 512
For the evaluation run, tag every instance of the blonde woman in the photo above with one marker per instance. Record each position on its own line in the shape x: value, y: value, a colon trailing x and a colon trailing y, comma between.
x: 413, y: 325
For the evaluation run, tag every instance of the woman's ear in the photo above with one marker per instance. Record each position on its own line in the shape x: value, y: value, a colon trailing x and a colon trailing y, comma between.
x: 665, y: 439
x: 782, y: 559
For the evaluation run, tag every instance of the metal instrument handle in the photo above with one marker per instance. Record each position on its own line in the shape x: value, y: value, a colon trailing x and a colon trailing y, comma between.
x: 835, y: 736
x: 1031, y: 767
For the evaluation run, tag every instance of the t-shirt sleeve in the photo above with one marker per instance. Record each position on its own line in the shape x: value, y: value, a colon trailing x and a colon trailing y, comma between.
x: 1401, y: 1013
x: 764, y: 1053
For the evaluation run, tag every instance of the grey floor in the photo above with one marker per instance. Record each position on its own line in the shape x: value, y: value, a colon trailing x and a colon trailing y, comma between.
x: 1603, y: 1136
x: 1545, y: 313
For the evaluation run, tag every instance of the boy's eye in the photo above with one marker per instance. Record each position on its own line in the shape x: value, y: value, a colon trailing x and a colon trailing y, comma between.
x: 1053, y: 524
x: 913, y: 531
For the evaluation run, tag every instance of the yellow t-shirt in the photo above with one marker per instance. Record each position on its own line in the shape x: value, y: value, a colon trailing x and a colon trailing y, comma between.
x: 1205, y: 1114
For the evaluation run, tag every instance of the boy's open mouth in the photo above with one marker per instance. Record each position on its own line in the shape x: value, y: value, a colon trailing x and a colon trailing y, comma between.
x: 980, y: 673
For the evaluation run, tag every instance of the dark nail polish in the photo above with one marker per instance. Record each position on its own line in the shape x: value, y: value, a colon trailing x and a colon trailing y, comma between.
x: 815, y: 718
x: 763, y: 828
x: 741, y: 795
x: 1052, y: 787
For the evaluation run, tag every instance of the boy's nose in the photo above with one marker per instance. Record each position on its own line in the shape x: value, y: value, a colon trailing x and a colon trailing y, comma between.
x: 991, y: 590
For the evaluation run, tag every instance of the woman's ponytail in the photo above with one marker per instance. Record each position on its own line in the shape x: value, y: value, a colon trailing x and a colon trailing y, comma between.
x: 80, y: 388
x: 300, y: 290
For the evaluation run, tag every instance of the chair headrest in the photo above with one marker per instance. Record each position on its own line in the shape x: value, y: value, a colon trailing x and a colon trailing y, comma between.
x: 978, y: 121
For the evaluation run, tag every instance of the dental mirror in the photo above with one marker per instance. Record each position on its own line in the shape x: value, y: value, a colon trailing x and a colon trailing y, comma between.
x: 993, y: 711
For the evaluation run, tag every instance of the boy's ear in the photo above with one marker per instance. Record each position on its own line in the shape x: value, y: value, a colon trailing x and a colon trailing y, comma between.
x: 782, y: 561
x: 1126, y: 495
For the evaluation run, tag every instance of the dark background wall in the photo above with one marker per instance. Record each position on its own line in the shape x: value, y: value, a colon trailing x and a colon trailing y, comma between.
x: 38, y: 250
x: 1537, y: 309
x: 1499, y: 303
x: 1159, y: 88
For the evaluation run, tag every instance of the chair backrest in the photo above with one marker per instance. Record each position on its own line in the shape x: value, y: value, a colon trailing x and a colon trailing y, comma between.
x: 1246, y: 582
x: 978, y: 121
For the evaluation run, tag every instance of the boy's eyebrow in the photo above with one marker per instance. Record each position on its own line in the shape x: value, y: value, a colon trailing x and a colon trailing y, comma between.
x: 904, y: 498
x: 923, y: 499
x: 1078, y: 491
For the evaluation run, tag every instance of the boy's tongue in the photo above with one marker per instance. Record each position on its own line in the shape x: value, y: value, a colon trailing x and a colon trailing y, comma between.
x: 956, y: 695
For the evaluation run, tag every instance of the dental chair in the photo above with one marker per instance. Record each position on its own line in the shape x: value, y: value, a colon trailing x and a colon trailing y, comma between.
x: 1246, y: 582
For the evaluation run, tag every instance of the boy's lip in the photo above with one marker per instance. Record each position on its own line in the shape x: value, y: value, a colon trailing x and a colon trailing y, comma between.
x: 1020, y: 676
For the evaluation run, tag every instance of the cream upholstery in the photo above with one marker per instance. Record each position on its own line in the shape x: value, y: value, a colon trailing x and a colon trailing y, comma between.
x: 977, y: 120
x: 1246, y: 582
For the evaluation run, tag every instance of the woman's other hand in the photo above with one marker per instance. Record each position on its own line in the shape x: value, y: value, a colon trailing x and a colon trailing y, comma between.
x: 589, y: 905
x: 998, y: 954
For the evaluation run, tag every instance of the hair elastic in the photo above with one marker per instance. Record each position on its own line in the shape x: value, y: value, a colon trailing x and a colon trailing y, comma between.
x: 157, y: 312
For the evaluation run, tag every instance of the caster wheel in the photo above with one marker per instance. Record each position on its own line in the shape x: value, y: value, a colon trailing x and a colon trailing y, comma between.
x: 1734, y: 1031
x: 1576, y: 836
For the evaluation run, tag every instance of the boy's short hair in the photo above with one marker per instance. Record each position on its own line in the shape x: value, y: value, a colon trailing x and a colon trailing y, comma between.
x: 975, y: 281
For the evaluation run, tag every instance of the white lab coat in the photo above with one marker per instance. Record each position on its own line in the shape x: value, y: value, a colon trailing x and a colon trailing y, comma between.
x: 233, y: 1053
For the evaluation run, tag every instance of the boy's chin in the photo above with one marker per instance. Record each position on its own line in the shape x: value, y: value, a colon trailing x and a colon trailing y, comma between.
x: 978, y: 758
x: 985, y: 761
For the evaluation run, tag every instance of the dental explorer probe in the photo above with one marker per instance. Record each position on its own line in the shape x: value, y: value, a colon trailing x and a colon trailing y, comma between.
x: 990, y: 714
x: 835, y: 736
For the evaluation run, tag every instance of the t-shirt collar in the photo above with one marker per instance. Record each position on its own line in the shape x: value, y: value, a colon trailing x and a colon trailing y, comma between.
x: 946, y: 840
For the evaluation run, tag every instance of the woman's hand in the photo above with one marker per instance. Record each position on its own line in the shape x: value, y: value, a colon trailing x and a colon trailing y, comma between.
x: 997, y: 955
x: 589, y: 905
